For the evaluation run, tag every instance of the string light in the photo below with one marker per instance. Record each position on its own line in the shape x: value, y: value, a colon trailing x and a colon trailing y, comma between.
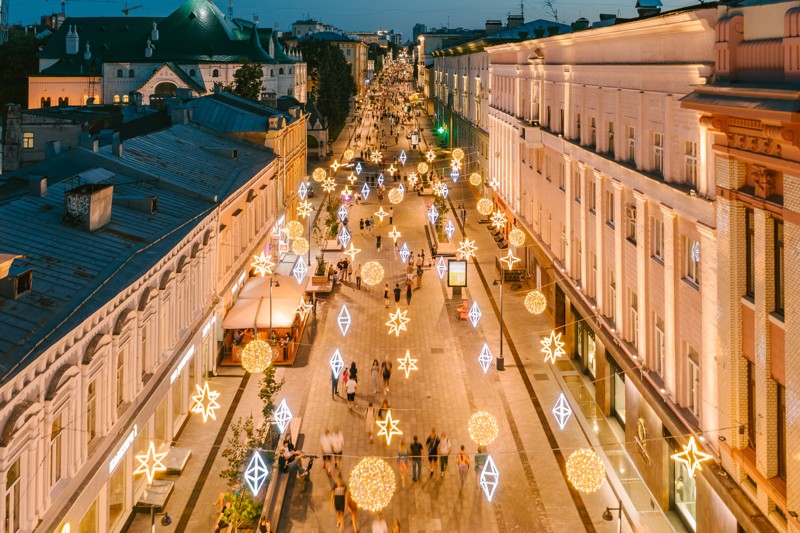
x: 396, y: 196
x: 256, y: 473
x: 329, y: 185
x: 482, y: 428
x: 585, y: 470
x: 319, y: 174
x: 691, y: 457
x: 204, y: 402
x: 467, y: 249
x: 150, y: 463
x: 347, y: 193
x: 342, y: 212
x: 485, y: 206
x: 562, y: 411
x: 283, y: 416
x: 372, y: 273
x: 352, y: 251
x: 388, y: 427
x: 510, y: 260
x: 485, y: 358
x: 377, y: 157
x: 516, y: 237
x: 337, y: 363
x: 454, y: 175
x: 394, y: 234
x: 412, y: 179
x: 552, y: 347
x: 300, y: 246
x: 372, y: 484
x: 498, y: 219
x: 475, y: 179
x: 256, y: 356
x: 294, y: 229
x: 397, y: 322
x: 407, y: 364
x: 348, y: 155
x: 490, y: 478
x: 380, y: 180
x: 263, y: 264
x: 535, y: 302
x: 455, y: 165
x: 430, y: 156
x: 381, y: 214
x: 352, y: 178
x: 422, y: 168
x: 458, y: 154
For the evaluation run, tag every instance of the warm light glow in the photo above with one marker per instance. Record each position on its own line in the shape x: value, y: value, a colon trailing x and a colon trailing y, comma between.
x: 562, y: 411
x: 394, y: 234
x: 283, y: 416
x: 552, y: 347
x: 150, y: 463
x: 204, y: 402
x: 380, y: 213
x: 535, y: 302
x: 395, y: 196
x: 485, y: 358
x: 304, y: 208
x: 294, y: 229
x: 413, y: 179
x: 335, y: 165
x: 585, y: 470
x: 300, y: 246
x: 510, y: 260
x: 352, y: 251
x: 262, y: 264
x: 482, y: 427
x: 458, y: 154
x: 490, y: 477
x: 319, y: 174
x: 372, y: 484
x: 256, y: 473
x: 348, y: 155
x: 516, y: 237
x: 303, y: 308
x: 377, y: 157
x: 388, y: 427
x: 256, y: 356
x: 337, y: 363
x: 347, y: 192
x: 422, y: 168
x: 467, y: 249
x: 498, y: 219
x: 372, y: 273
x: 691, y: 457
x: 329, y: 185
x: 455, y: 165
x: 391, y: 170
x: 475, y: 179
x: 430, y: 156
x: 485, y: 206
x: 352, y: 178
x: 344, y: 320
x: 433, y: 214
x: 407, y: 364
x: 397, y: 322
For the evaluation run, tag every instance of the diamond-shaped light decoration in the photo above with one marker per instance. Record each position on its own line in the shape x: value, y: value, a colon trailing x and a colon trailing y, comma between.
x: 337, y: 363
x: 449, y: 229
x: 490, y: 477
x: 562, y: 411
x: 433, y: 214
x: 256, y: 473
x: 344, y: 236
x: 474, y: 314
x: 300, y: 269
x: 401, y: 188
x: 344, y: 320
x: 696, y: 252
x: 405, y: 252
x: 380, y: 179
x: 365, y: 191
x: 342, y: 212
x: 359, y: 168
x: 485, y: 358
x: 302, y: 191
x: 454, y: 174
x: 441, y: 267
x: 283, y: 416
x: 403, y: 157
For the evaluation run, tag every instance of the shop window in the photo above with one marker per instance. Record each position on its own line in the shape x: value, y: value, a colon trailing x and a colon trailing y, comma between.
x: 13, y: 498
x: 27, y: 140
x: 750, y: 253
x: 617, y: 392
x: 89, y: 522
x: 684, y: 493
x: 116, y: 497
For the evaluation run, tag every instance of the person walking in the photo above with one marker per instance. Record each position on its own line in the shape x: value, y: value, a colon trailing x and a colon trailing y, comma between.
x: 480, y: 459
x: 408, y: 293
x: 416, y: 459
x: 410, y: 270
x: 354, y: 371
x: 391, y: 215
x: 338, y: 501
x: 351, y: 392
x: 432, y: 442
x: 402, y: 462
x: 337, y: 444
x: 325, y: 442
x: 378, y: 243
x: 396, y: 248
x: 444, y: 452
x: 361, y: 224
x: 334, y: 385
x: 375, y: 371
x: 396, y: 526
x: 462, y: 463
x: 386, y: 373
x: 369, y: 419
x: 352, y: 508
x: 397, y: 293
x: 386, y: 295
x: 358, y: 277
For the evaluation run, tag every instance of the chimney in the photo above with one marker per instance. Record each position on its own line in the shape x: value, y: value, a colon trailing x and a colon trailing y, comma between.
x: 73, y: 41
x: 89, y: 206
x: 154, y: 32
x: 37, y: 185
x: 88, y: 141
x: 493, y: 26
x: 180, y: 115
x: 515, y: 20
x: 148, y: 49
x: 580, y: 24
x: 553, y: 30
x: 14, y: 282
x: 143, y: 204
x: 648, y: 8
x: 116, y: 145
x: 87, y: 55
x: 11, y: 137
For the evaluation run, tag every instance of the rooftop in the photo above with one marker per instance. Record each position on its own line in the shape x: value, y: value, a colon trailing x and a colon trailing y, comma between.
x: 330, y: 36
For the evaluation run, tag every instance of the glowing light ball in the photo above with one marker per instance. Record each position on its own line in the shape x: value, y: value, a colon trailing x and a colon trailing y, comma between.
x: 300, y: 246
x: 482, y: 427
x: 516, y: 237
x: 319, y: 174
x: 348, y: 155
x: 485, y: 206
x: 458, y: 154
x: 256, y: 356
x: 372, y: 483
x: 422, y: 168
x: 395, y: 196
x: 372, y: 273
x: 585, y: 470
x: 475, y: 179
x: 294, y: 229
x: 535, y: 302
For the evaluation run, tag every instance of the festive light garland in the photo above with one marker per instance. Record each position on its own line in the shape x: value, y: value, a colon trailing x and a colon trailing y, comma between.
x: 430, y: 156
x: 535, y: 302
x: 294, y: 229
x: 302, y: 191
x: 395, y: 196
x: 510, y: 260
x: 348, y: 155
x: 256, y: 356
x: 335, y: 165
x: 490, y: 478
x: 329, y: 185
x: 441, y: 267
x: 304, y: 208
x: 467, y: 249
x: 344, y: 320
x: 397, y: 322
x: 352, y: 178
x: 562, y: 411
x: 394, y: 234
x: 449, y: 229
x: 388, y: 427
x: 433, y: 214
x: 691, y: 457
x: 372, y: 273
x: 485, y: 206
x: 485, y: 358
x: 516, y: 237
x: 300, y: 246
x: 403, y: 157
x: 458, y: 154
x: 381, y: 214
x: 319, y: 174
x: 283, y: 416
x: 300, y: 269
x: 352, y: 251
x: 359, y: 168
x: 422, y: 168
x: 337, y: 363
x: 372, y: 484
x: 204, y: 402
x: 475, y: 179
x: 263, y: 264
x: 150, y: 463
x: 391, y: 170
x: 552, y: 347
x: 256, y: 473
x: 474, y: 314
x: 407, y: 364
x: 585, y: 470
x: 482, y: 428
x: 498, y: 219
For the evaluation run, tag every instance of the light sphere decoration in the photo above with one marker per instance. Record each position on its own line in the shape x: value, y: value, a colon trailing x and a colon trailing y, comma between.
x: 516, y: 237
x: 348, y: 155
x: 482, y: 427
x: 319, y: 174
x: 485, y: 206
x: 475, y: 179
x: 256, y: 356
x: 395, y: 196
x: 372, y: 273
x: 294, y: 229
x: 422, y: 168
x: 300, y: 246
x: 535, y: 302
x: 372, y: 483
x: 585, y: 470
x: 458, y: 154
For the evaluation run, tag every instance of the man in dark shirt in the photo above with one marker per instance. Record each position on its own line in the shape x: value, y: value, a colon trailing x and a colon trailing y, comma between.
x: 433, y: 450
x: 416, y: 459
x: 397, y: 293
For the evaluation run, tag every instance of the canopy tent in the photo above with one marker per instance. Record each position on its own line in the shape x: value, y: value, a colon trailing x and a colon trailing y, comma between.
x: 252, y: 309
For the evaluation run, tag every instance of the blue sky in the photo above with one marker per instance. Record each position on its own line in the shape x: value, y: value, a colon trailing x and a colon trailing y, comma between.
x: 351, y: 15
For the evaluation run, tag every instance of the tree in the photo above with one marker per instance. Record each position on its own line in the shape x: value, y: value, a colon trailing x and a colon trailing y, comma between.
x: 245, y: 437
x: 17, y: 62
x: 269, y: 388
x: 248, y: 81
x: 239, y: 509
x: 331, y: 80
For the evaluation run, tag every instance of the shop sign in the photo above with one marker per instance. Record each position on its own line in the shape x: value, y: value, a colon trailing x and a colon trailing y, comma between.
x: 181, y: 365
x: 123, y: 448
x: 641, y: 440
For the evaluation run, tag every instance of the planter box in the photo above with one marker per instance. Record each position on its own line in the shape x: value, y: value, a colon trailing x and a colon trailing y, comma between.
x: 332, y: 245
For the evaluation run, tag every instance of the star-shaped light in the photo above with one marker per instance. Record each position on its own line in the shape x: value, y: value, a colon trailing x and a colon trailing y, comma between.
x: 404, y: 253
x: 283, y: 416
x: 430, y: 156
x: 365, y: 190
x: 494, y: 183
x: 303, y: 308
x: 397, y: 322
x: 449, y: 229
x: 329, y: 185
x: 403, y: 157
x: 150, y: 463
x: 304, y: 208
x: 352, y: 178
x: 510, y: 260
x: 407, y: 364
x: 347, y: 193
x: 485, y: 358
x: 344, y: 320
x: 344, y: 236
x: 454, y: 175
x: 335, y: 165
x: 337, y: 363
x: 441, y: 267
x: 562, y: 411
x: 490, y: 477
x: 256, y: 473
x: 377, y: 156
x: 691, y: 457
x: 498, y: 219
x: 412, y: 179
x: 380, y: 213
x: 445, y: 190
x: 394, y: 234
x: 388, y: 427
x: 342, y: 212
x: 359, y: 168
x: 433, y: 214
x: 300, y: 269
x: 474, y: 314
x: 263, y: 264
x: 391, y: 170
x: 380, y: 179
x: 552, y: 347
x: 302, y: 191
x: 205, y: 402
x: 467, y: 249
x: 352, y: 251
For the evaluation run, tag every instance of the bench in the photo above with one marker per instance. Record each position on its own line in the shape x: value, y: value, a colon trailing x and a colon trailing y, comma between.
x: 176, y: 459
x: 155, y: 496
x: 332, y: 244
x: 279, y: 481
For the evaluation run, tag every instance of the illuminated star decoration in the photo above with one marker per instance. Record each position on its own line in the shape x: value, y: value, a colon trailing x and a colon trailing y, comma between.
x: 256, y: 473
x: 377, y: 157
x: 205, y: 401
x: 388, y: 427
x: 380, y: 180
x: 455, y: 164
x: 403, y: 157
x: 365, y: 191
x: 433, y: 214
x: 344, y: 236
x: 329, y: 185
x: 335, y: 165
x: 552, y: 347
x: 485, y: 358
x: 150, y: 463
x: 303, y: 308
x: 283, y: 416
x: 412, y: 179
x: 337, y: 363
x: 474, y: 314
x: 562, y: 411
x: 394, y: 234
x: 494, y: 183
x: 302, y: 191
x: 347, y: 193
x: 407, y: 364
x: 344, y: 320
x: 263, y: 264
x: 441, y: 267
x: 380, y: 213
x: 467, y: 249
x: 510, y: 260
x: 397, y: 322
x: 430, y: 156
x: 352, y: 178
x: 454, y: 175
x: 391, y: 170
x: 498, y: 219
x: 342, y: 212
x: 404, y: 253
x: 304, y: 208
x: 352, y: 251
x: 449, y: 229
x: 691, y: 457
x: 300, y: 269
x: 490, y: 477
x: 358, y: 168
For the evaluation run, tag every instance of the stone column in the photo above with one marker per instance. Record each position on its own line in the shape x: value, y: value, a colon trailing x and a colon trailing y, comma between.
x: 568, y: 216
x: 619, y: 258
x: 642, y: 271
x: 584, y: 203
x: 709, y: 394
x: 599, y: 224
x: 671, y: 275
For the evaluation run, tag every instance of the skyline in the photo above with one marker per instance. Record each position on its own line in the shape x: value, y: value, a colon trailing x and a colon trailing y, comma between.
x: 347, y: 15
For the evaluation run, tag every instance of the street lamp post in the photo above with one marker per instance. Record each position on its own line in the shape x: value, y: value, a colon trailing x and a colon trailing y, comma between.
x: 608, y: 517
x: 165, y: 520
x: 501, y: 362
x: 277, y: 284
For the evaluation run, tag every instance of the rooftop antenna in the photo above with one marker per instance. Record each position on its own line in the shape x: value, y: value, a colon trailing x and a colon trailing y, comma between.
x: 522, y: 9
x: 255, y: 19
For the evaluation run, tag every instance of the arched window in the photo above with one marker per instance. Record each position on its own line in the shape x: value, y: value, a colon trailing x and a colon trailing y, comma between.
x: 280, y: 72
x: 166, y: 88
x: 291, y: 70
x: 131, y: 73
x: 192, y: 72
x: 215, y: 73
x: 62, y: 102
x: 126, y: 98
x: 45, y: 101
x: 272, y: 73
x: 116, y: 98
x: 119, y: 72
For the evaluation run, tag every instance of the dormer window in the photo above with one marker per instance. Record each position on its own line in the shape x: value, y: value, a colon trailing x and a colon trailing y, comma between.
x: 192, y: 72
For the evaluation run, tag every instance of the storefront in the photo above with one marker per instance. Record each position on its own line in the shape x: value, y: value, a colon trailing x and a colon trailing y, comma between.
x: 585, y: 347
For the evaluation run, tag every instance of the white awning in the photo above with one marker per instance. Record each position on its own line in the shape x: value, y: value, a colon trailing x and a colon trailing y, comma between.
x: 252, y: 309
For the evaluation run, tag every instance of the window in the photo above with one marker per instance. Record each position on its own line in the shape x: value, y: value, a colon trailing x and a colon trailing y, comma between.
x: 592, y: 199
x: 578, y: 127
x: 658, y: 153
x: 750, y: 253
x: 781, y: 415
x: 143, y: 352
x: 549, y: 228
x: 192, y: 72
x: 592, y: 133
x: 612, y: 296
x: 116, y: 497
x: 658, y: 239
x: 691, y: 261
x: 547, y: 123
x: 291, y: 70
x: 215, y: 73
x: 563, y: 252
x: 125, y: 98
x: 562, y: 177
x: 593, y: 277
x: 751, y: 405
x: 91, y: 411
x: 120, y: 74
x: 634, y: 319
x: 120, y: 377
x: 610, y: 139
x: 280, y: 70
x: 631, y: 144
x: 693, y: 367
x: 27, y: 140
x: 690, y: 163
x: 561, y: 121
x: 576, y: 186
x: 55, y: 450
x: 63, y: 102
x: 659, y: 351
x: 547, y: 175
x: 271, y: 73
x: 116, y: 99
x: 779, y: 275
x: 131, y: 73
x: 539, y: 157
x: 609, y: 207
x: 45, y: 101
x: 539, y: 219
x: 12, y: 498
x: 630, y: 222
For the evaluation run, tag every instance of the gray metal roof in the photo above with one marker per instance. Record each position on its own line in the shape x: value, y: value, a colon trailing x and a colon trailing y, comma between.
x: 228, y: 113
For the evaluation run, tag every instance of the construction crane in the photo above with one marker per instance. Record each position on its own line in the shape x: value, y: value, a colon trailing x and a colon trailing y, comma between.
x: 128, y: 10
x: 3, y: 21
x: 64, y: 4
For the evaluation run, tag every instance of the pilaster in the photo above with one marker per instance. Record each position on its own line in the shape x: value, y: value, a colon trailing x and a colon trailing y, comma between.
x: 671, y: 271
x: 642, y: 271
x: 709, y: 394
x: 619, y: 260
x: 599, y: 224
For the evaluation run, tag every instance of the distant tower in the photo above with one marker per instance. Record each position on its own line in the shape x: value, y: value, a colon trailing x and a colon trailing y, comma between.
x: 3, y: 21
x: 230, y: 10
